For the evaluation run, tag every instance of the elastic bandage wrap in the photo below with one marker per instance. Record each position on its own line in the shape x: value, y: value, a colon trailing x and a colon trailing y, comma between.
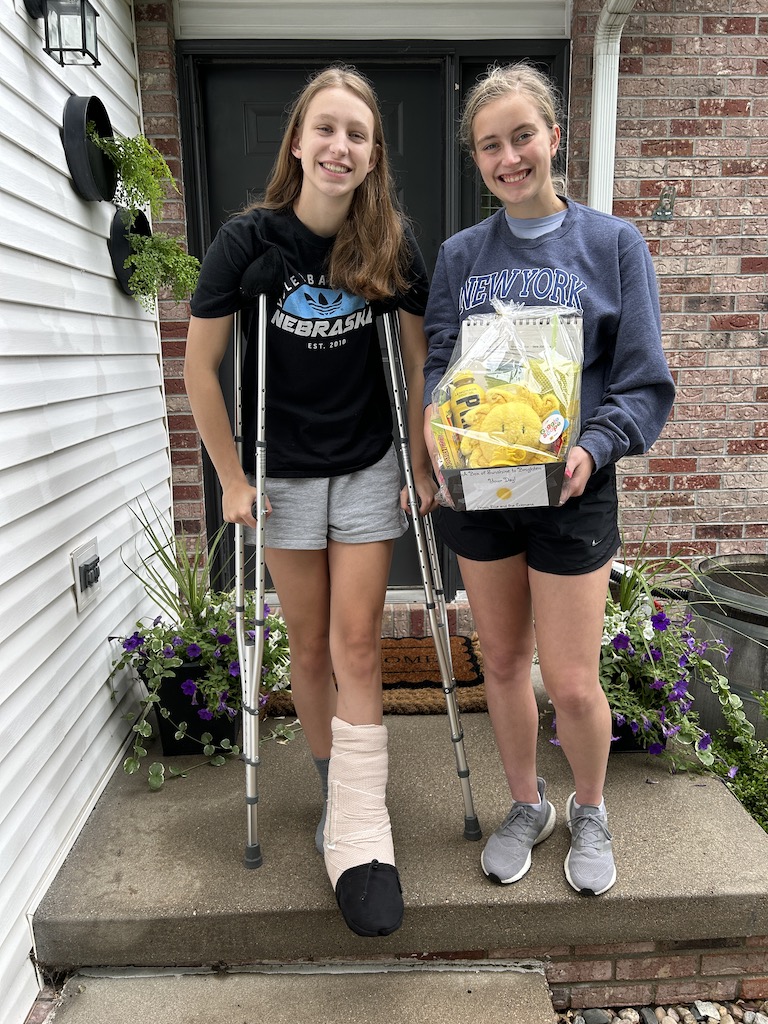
x: 357, y: 827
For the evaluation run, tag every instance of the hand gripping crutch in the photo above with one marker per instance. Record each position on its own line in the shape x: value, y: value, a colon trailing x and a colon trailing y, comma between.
x: 258, y: 281
x: 434, y: 595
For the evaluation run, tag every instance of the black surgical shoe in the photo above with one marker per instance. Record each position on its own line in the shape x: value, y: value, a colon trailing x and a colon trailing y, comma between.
x: 370, y: 898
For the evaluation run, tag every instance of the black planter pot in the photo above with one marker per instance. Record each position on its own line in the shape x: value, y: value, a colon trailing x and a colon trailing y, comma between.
x: 120, y: 246
x: 729, y: 601
x: 181, y: 709
x: 94, y: 175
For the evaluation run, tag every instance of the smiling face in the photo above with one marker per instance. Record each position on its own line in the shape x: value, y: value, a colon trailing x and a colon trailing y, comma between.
x: 336, y: 147
x: 513, y: 149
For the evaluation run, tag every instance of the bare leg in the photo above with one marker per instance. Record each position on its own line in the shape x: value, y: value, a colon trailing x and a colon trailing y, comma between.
x: 302, y: 582
x: 501, y: 606
x: 358, y: 590
x: 569, y: 613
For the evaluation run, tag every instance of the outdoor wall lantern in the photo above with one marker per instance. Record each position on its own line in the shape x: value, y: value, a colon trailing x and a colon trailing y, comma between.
x: 70, y: 29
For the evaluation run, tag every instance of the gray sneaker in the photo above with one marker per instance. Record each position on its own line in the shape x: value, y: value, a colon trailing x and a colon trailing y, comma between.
x: 589, y: 865
x: 507, y: 854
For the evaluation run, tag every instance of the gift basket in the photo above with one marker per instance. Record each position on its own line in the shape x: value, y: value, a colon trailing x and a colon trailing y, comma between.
x: 506, y: 412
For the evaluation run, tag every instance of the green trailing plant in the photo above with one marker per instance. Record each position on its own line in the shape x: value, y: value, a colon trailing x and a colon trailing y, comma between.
x: 143, y: 176
x: 649, y: 656
x: 159, y: 261
x: 196, y: 626
x: 749, y: 781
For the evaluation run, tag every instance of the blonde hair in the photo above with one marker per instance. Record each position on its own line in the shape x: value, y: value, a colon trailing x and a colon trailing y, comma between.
x: 369, y: 256
x: 503, y: 80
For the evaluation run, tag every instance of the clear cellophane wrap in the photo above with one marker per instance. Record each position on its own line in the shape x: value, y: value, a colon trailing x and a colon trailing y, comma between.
x: 510, y: 396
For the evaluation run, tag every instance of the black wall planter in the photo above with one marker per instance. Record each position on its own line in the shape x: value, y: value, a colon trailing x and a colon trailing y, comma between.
x: 120, y: 245
x: 94, y: 175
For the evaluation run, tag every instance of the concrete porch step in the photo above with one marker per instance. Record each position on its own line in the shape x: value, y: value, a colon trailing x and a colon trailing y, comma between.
x: 432, y: 995
x: 156, y: 879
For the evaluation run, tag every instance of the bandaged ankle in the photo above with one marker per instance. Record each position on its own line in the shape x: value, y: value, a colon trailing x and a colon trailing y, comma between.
x: 321, y: 763
x: 357, y: 827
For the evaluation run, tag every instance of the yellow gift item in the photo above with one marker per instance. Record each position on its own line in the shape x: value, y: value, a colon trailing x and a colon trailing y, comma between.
x: 502, y: 433
x: 466, y: 397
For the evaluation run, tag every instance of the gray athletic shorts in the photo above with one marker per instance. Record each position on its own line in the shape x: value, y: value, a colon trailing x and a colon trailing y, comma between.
x: 357, y: 508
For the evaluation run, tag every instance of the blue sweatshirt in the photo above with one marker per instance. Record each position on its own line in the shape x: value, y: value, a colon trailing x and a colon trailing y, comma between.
x: 593, y: 262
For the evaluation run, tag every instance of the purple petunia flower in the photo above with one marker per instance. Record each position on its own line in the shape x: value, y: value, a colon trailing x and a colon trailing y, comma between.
x: 620, y: 719
x: 132, y: 643
x: 656, y: 654
x: 621, y: 642
x: 189, y: 687
x: 234, y: 669
x: 732, y: 771
x: 704, y: 742
x: 679, y: 690
x: 168, y: 651
x: 194, y: 651
x: 223, y: 701
x: 223, y: 638
x: 267, y: 609
x: 656, y: 748
x: 205, y: 713
x: 158, y: 620
x: 660, y: 621
x: 634, y: 727
x: 177, y: 641
x: 657, y: 684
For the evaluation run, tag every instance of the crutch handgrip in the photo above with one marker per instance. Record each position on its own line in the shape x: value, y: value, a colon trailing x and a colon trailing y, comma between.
x: 263, y: 277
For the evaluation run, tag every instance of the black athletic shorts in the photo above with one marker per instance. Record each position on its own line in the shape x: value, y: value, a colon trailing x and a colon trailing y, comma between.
x: 568, y: 540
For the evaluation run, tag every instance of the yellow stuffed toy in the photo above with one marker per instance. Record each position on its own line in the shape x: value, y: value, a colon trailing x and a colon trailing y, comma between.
x: 505, y: 430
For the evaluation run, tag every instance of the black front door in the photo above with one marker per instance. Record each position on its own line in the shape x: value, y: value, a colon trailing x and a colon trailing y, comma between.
x: 234, y: 97
x: 243, y: 109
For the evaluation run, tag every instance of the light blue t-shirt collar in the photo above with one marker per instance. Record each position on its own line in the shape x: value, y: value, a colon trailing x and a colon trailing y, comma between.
x: 533, y: 227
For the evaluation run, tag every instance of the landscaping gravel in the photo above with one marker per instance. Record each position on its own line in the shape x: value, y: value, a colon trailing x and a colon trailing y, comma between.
x: 701, y: 1011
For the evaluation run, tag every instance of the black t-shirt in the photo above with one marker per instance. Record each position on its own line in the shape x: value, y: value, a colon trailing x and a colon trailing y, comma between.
x: 327, y: 403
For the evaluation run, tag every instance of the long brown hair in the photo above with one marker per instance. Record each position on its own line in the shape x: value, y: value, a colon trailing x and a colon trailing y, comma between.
x: 369, y: 256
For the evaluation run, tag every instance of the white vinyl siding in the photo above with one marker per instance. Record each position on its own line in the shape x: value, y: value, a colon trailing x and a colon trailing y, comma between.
x: 82, y: 434
x: 372, y: 19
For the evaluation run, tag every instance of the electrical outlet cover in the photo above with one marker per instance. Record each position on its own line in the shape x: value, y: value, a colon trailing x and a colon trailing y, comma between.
x: 83, y: 555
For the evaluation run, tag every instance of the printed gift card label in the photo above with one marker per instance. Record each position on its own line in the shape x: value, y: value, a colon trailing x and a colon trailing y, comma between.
x: 505, y: 487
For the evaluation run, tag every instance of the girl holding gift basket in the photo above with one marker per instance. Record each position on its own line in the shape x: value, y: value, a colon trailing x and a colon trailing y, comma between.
x: 333, y: 482
x: 549, y: 565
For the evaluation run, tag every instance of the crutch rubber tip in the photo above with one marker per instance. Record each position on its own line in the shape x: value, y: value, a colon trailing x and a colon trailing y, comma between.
x: 253, y: 858
x: 370, y: 898
x: 472, y: 829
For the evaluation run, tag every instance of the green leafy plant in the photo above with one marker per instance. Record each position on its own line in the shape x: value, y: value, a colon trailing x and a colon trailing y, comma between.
x: 143, y: 176
x: 649, y: 656
x: 196, y: 628
x: 749, y: 783
x: 159, y: 261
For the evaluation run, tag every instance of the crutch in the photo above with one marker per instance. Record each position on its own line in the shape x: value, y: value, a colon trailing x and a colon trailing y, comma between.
x: 434, y: 595
x: 259, y: 280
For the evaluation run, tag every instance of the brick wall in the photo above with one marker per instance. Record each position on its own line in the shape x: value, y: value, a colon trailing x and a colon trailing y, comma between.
x: 693, y: 114
x: 159, y: 95
x: 660, y: 973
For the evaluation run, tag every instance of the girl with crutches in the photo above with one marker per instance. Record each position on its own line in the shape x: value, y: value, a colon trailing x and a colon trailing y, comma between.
x: 333, y: 502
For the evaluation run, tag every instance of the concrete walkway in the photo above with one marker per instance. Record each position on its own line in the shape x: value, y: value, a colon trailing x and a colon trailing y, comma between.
x: 156, y: 879
x: 373, y: 996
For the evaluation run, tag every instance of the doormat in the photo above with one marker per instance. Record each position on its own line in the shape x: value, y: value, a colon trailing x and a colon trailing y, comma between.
x: 411, y: 677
